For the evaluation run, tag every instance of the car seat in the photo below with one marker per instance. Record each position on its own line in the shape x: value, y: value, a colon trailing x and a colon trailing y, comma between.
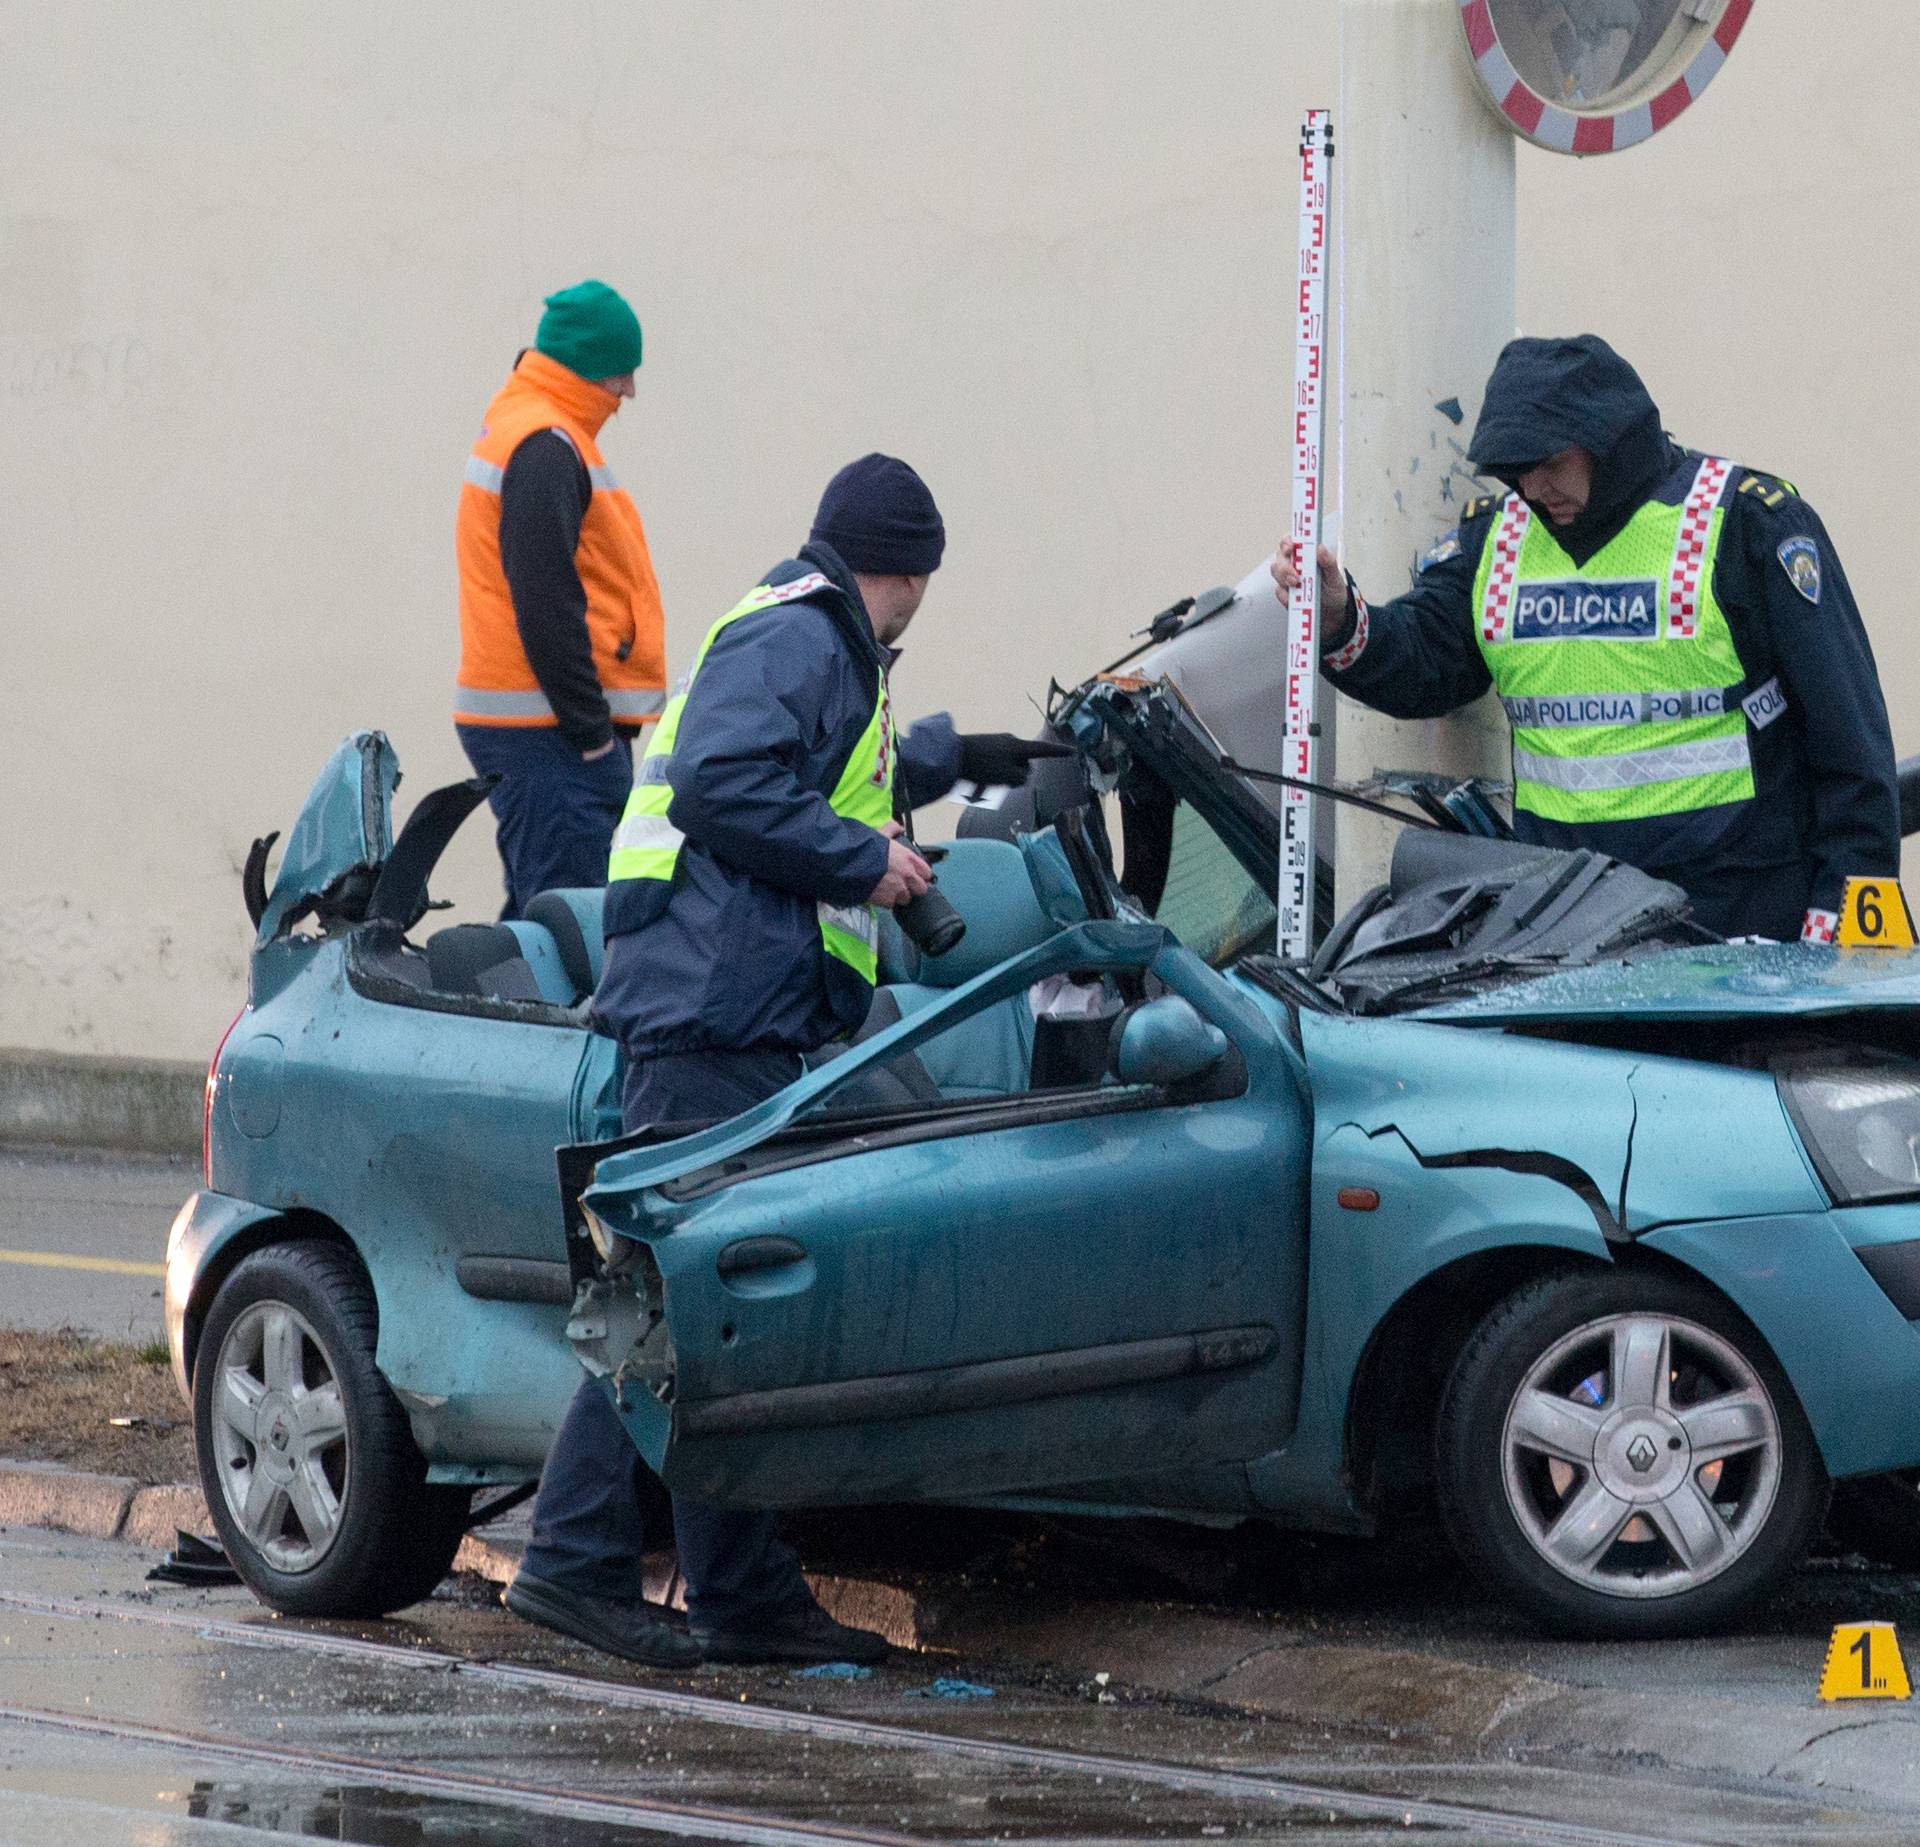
x: 991, y: 1054
x: 513, y: 961
x: 576, y: 920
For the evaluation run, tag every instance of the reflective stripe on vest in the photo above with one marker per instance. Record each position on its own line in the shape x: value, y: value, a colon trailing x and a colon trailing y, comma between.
x: 1619, y: 675
x: 647, y: 845
x: 1634, y: 769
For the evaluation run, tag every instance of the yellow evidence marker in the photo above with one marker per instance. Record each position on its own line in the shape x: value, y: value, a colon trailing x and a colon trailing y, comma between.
x: 1863, y: 1662
x: 1874, y: 915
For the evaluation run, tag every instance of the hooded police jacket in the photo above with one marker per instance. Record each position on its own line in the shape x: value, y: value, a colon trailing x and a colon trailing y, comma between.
x: 1803, y: 703
x: 727, y: 955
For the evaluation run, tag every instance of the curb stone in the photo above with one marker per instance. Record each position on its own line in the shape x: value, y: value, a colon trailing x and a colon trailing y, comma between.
x: 117, y: 1507
x: 82, y: 1100
x: 1244, y: 1663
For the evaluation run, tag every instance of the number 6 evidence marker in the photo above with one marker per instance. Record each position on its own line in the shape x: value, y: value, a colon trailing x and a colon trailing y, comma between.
x: 1874, y: 915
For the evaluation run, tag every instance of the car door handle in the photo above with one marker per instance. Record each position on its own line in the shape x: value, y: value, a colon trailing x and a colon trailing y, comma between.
x: 759, y: 1254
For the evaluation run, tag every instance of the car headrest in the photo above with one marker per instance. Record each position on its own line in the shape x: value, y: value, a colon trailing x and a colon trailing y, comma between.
x: 987, y: 882
x: 541, y: 953
x: 460, y: 954
x: 576, y: 920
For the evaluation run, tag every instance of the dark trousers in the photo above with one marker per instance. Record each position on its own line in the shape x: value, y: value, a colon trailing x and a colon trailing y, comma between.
x: 554, y: 812
x: 597, y: 1497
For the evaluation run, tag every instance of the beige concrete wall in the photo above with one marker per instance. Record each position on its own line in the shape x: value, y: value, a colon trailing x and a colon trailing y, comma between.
x: 261, y: 267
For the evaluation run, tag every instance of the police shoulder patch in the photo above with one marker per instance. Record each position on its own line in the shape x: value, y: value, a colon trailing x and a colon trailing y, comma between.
x: 1445, y: 547
x: 1480, y: 504
x: 1800, y: 559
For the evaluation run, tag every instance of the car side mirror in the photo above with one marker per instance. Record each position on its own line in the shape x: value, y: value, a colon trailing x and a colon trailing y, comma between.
x: 1164, y: 1042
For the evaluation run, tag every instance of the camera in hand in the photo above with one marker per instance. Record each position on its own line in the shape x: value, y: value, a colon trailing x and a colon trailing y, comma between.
x: 930, y: 923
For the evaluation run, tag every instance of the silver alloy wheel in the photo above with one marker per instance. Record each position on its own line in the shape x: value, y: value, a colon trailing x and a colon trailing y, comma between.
x: 1641, y: 1455
x: 280, y: 1435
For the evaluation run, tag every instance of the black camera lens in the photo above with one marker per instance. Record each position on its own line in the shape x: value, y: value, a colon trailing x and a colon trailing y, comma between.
x: 930, y: 923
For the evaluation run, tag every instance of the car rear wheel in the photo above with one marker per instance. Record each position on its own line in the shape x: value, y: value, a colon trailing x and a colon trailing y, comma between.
x: 1620, y: 1455
x: 306, y: 1460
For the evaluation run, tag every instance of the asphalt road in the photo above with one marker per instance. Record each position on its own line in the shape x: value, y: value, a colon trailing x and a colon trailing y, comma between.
x: 131, y: 1712
x: 82, y: 1237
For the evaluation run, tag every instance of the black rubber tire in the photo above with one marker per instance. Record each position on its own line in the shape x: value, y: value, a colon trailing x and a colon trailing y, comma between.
x: 1878, y: 1516
x: 1470, y: 1477
x: 397, y: 1533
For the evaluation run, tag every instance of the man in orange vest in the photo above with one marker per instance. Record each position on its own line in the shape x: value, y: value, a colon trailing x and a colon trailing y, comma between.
x: 562, y: 643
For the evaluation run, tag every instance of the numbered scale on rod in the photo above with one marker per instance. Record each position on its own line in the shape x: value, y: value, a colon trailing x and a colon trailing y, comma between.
x: 1301, y: 731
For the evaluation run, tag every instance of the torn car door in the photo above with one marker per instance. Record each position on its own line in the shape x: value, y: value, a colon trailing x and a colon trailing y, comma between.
x: 979, y: 1296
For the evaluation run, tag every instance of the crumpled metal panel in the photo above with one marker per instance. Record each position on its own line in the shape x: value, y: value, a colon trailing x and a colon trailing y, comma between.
x: 345, y: 822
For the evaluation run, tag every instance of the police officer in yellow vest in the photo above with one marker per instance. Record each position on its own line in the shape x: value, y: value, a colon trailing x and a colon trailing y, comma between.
x: 1676, y: 646
x: 758, y: 845
x: 562, y: 652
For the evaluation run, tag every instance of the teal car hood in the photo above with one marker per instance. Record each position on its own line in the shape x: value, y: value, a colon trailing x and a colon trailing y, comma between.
x: 1725, y: 982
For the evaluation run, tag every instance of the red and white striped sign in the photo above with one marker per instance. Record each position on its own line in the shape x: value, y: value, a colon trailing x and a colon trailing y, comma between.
x: 1544, y: 122
x: 1301, y: 750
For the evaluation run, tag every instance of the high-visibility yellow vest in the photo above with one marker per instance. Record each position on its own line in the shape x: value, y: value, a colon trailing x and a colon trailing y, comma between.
x: 1619, y: 676
x: 647, y: 845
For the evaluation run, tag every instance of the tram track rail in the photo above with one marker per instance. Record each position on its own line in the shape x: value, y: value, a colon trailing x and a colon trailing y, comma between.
x: 1251, y: 1787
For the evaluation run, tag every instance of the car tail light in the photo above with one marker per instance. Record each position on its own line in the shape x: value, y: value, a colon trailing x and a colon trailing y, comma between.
x: 206, y: 1108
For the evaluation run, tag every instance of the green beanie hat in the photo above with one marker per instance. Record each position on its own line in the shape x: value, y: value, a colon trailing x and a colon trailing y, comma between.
x: 589, y: 329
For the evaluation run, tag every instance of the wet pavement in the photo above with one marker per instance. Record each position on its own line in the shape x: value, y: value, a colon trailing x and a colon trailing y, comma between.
x: 158, y: 1715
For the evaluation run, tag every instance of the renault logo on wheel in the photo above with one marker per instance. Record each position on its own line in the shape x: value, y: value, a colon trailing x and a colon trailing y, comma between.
x: 1642, y: 1454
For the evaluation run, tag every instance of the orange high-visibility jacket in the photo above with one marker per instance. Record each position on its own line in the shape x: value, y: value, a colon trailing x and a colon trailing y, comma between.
x: 624, y: 622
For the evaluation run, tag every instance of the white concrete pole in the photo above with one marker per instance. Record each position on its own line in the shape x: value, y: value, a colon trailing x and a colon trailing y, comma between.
x: 1424, y: 173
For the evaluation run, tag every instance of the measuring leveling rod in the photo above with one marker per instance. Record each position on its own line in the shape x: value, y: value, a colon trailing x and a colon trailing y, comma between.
x: 1301, y: 749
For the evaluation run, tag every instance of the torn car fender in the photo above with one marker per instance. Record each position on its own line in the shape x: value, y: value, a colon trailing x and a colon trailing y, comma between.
x: 1559, y: 1112
x: 1712, y: 1142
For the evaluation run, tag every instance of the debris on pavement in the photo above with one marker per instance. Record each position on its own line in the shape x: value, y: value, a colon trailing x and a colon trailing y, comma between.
x: 953, y: 1689
x: 834, y: 1670
x: 193, y: 1561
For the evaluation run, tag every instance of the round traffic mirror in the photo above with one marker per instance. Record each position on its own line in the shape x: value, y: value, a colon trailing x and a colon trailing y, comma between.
x: 1593, y: 76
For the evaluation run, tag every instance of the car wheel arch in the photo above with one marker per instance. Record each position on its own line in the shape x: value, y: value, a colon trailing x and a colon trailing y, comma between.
x: 297, y: 1224
x: 1394, y: 1404
x: 1403, y: 1369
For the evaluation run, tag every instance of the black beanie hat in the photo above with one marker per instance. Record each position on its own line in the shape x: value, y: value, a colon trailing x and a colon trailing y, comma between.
x: 878, y: 515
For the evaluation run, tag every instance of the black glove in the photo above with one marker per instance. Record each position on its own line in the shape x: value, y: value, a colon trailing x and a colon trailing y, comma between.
x: 999, y: 760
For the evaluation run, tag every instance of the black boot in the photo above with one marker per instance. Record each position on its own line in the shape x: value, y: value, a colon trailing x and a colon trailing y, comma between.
x: 628, y: 1627
x: 806, y: 1633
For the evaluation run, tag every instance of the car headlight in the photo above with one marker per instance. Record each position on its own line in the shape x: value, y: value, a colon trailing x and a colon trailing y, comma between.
x: 1859, y: 1115
x: 615, y: 1251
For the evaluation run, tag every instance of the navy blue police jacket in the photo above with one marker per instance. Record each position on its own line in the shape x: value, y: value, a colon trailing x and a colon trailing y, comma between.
x: 1824, y: 805
x: 727, y: 956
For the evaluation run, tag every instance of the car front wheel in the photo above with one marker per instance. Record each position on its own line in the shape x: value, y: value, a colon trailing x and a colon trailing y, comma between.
x: 1620, y: 1454
x: 306, y: 1460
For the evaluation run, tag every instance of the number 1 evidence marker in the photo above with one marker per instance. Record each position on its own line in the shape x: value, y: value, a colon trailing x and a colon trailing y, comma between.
x: 1301, y: 732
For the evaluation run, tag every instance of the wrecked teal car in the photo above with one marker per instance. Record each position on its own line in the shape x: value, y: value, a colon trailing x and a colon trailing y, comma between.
x: 1521, y: 1197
